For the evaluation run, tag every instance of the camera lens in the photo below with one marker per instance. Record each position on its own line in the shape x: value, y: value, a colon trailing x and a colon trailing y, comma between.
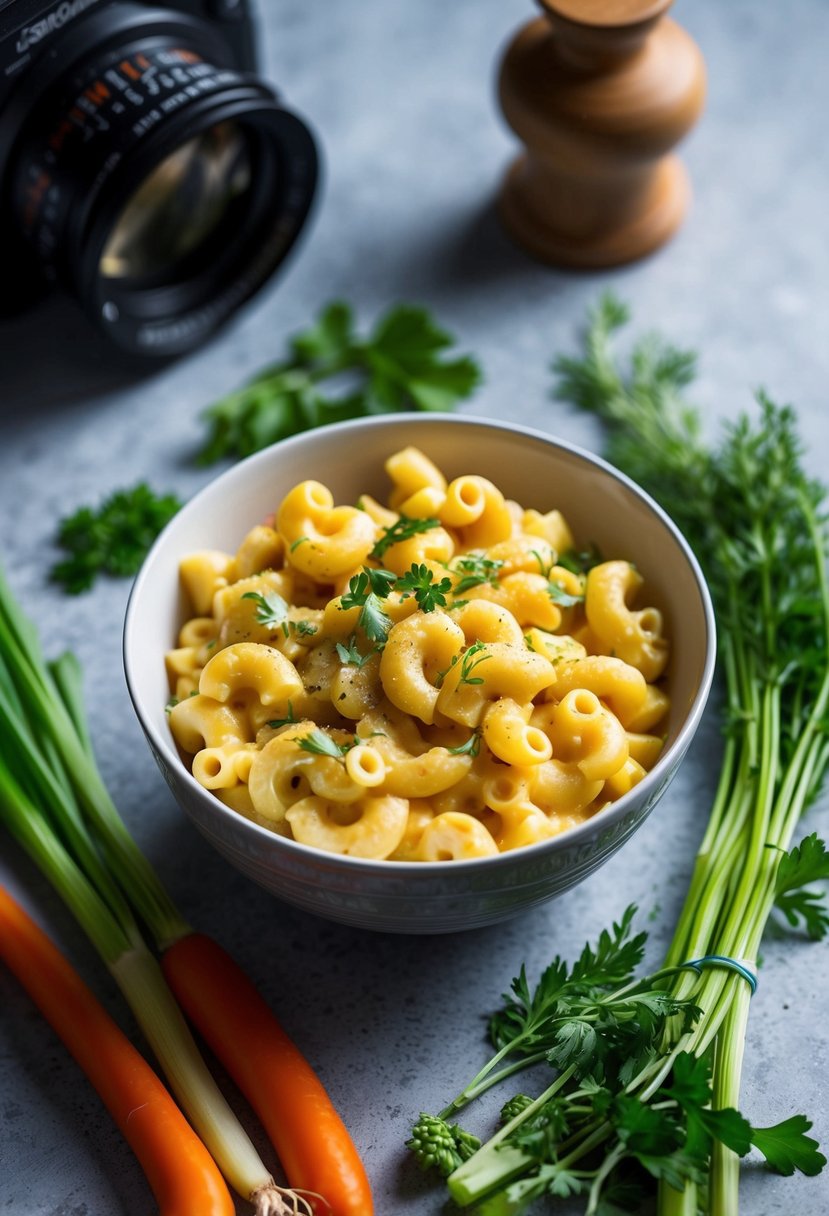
x: 180, y: 206
x: 154, y: 180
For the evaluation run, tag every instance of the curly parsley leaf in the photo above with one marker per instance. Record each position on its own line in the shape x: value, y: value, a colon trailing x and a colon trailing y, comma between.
x: 420, y: 582
x: 402, y: 363
x: 113, y: 538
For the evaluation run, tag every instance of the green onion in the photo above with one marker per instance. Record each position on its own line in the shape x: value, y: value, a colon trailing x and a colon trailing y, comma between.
x: 55, y: 804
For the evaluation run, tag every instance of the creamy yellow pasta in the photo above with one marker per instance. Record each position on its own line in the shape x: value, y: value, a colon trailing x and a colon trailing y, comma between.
x: 436, y: 678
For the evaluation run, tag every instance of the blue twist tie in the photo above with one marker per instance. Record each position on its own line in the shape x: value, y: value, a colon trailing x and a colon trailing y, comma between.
x: 722, y: 960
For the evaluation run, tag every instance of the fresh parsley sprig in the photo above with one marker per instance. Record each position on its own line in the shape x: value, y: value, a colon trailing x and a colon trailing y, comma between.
x: 289, y: 720
x: 469, y: 660
x: 113, y: 538
x: 474, y: 570
x: 350, y: 654
x: 271, y: 608
x: 402, y: 363
x: 420, y: 582
x: 402, y: 529
x: 321, y: 744
x: 366, y: 591
x: 599, y: 1027
x: 471, y: 747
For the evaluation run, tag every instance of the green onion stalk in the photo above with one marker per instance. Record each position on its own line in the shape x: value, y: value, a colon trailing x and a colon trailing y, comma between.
x: 54, y: 802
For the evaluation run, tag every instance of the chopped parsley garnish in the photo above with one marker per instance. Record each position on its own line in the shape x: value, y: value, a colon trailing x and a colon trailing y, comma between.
x: 271, y: 609
x: 402, y: 529
x: 469, y: 660
x: 303, y: 629
x: 475, y: 570
x: 320, y: 744
x: 580, y: 561
x: 471, y: 748
x: 561, y: 597
x: 291, y: 720
x: 420, y: 582
x: 350, y: 655
x: 366, y: 591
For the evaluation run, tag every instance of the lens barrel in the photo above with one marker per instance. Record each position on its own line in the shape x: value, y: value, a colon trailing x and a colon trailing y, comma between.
x: 153, y: 179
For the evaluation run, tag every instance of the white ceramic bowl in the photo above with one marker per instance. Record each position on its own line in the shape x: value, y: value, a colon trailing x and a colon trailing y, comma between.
x: 601, y: 506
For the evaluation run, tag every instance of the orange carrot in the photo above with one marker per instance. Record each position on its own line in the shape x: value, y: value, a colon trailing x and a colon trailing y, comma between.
x: 181, y: 1172
x: 316, y: 1151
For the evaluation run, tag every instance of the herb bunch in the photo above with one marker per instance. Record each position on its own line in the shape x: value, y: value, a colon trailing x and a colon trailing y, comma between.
x: 333, y: 373
x: 113, y: 538
x: 650, y: 1092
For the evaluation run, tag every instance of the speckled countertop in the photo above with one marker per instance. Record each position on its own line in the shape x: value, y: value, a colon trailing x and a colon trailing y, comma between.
x: 402, y: 99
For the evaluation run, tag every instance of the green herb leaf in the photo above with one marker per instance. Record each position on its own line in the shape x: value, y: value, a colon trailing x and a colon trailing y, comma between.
x: 275, y: 723
x: 402, y: 529
x: 366, y: 591
x: 401, y: 364
x: 271, y: 609
x: 111, y: 539
x: 471, y: 748
x: 474, y: 571
x: 787, y: 1148
x: 806, y: 862
x: 564, y: 599
x: 320, y: 744
x: 350, y: 654
x: 420, y: 582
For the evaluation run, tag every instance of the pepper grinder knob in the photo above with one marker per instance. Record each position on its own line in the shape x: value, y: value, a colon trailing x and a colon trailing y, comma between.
x: 599, y: 92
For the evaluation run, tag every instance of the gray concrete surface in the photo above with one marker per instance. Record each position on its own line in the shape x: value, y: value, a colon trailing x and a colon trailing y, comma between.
x: 401, y: 96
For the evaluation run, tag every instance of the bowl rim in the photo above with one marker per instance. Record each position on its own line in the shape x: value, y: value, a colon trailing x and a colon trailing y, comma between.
x: 605, y: 820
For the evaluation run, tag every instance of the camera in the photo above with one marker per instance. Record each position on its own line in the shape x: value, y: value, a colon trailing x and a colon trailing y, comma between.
x: 144, y: 167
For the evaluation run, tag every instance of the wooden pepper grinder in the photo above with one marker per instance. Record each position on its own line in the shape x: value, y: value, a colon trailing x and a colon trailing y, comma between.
x: 599, y: 91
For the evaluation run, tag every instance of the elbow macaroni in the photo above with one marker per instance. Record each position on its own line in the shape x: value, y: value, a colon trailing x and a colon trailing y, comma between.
x: 319, y: 692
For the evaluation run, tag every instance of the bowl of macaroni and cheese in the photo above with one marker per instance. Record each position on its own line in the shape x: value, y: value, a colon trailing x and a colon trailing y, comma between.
x: 419, y: 673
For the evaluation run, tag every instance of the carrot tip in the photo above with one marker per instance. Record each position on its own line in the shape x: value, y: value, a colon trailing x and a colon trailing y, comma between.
x: 273, y: 1200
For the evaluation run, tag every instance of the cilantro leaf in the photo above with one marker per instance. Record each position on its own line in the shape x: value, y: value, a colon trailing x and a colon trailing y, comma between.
x: 420, y: 582
x: 787, y: 1148
x: 401, y: 364
x: 113, y: 538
